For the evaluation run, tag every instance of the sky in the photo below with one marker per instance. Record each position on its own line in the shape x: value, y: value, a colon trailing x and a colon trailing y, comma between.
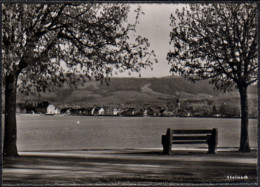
x: 154, y: 25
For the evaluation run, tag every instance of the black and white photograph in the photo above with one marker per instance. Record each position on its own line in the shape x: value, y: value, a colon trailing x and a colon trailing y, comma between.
x: 129, y: 93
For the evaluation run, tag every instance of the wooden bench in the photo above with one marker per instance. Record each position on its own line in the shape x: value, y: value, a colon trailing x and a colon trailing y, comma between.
x: 195, y: 136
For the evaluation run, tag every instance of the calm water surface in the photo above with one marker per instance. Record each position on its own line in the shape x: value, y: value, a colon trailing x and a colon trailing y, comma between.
x: 89, y: 132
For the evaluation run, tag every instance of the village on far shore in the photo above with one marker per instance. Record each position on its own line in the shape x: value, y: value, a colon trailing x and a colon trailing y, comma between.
x: 199, y: 108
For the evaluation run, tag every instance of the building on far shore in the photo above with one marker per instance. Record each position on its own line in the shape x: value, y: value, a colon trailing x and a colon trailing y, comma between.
x: 51, y: 109
x: 101, y: 111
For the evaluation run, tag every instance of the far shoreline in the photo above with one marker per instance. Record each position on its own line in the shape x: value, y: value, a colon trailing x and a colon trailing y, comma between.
x: 133, y: 116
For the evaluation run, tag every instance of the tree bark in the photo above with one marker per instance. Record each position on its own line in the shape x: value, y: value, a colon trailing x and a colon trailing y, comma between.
x: 10, y: 131
x: 244, y: 139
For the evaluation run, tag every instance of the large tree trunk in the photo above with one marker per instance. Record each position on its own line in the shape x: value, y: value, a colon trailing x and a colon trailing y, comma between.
x: 244, y: 139
x: 10, y: 132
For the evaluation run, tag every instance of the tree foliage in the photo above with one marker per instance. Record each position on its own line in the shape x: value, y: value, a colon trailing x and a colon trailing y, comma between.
x: 89, y: 40
x: 216, y: 42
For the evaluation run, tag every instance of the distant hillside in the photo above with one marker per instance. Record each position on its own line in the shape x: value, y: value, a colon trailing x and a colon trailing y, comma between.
x: 134, y: 91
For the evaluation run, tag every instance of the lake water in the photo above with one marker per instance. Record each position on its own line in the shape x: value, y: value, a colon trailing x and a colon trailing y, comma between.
x: 94, y: 132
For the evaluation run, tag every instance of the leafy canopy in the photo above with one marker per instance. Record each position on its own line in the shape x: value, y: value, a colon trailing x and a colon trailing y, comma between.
x: 59, y: 43
x: 216, y: 42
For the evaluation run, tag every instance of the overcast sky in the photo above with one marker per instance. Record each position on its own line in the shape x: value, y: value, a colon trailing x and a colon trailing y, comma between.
x: 154, y: 25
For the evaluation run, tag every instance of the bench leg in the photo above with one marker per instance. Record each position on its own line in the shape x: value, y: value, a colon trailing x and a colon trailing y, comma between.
x: 167, y: 149
x: 213, y: 141
x: 167, y: 142
x: 212, y: 148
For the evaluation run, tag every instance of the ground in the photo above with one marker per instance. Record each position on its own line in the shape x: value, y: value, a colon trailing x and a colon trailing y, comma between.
x: 130, y: 167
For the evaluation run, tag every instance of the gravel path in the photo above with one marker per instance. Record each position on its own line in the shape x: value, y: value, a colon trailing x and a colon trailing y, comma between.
x: 128, y: 167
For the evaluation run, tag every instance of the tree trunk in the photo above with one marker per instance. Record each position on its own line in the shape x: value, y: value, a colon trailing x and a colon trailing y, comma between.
x: 10, y: 132
x: 244, y: 140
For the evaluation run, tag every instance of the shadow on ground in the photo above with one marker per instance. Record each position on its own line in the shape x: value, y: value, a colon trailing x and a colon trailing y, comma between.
x: 128, y: 167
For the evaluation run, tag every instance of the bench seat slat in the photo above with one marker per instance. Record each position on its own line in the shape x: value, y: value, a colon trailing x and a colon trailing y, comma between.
x: 191, y: 131
x: 189, y: 142
x: 189, y: 138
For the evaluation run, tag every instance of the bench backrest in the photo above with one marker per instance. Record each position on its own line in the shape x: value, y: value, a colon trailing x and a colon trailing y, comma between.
x: 193, y: 131
x: 194, y: 136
